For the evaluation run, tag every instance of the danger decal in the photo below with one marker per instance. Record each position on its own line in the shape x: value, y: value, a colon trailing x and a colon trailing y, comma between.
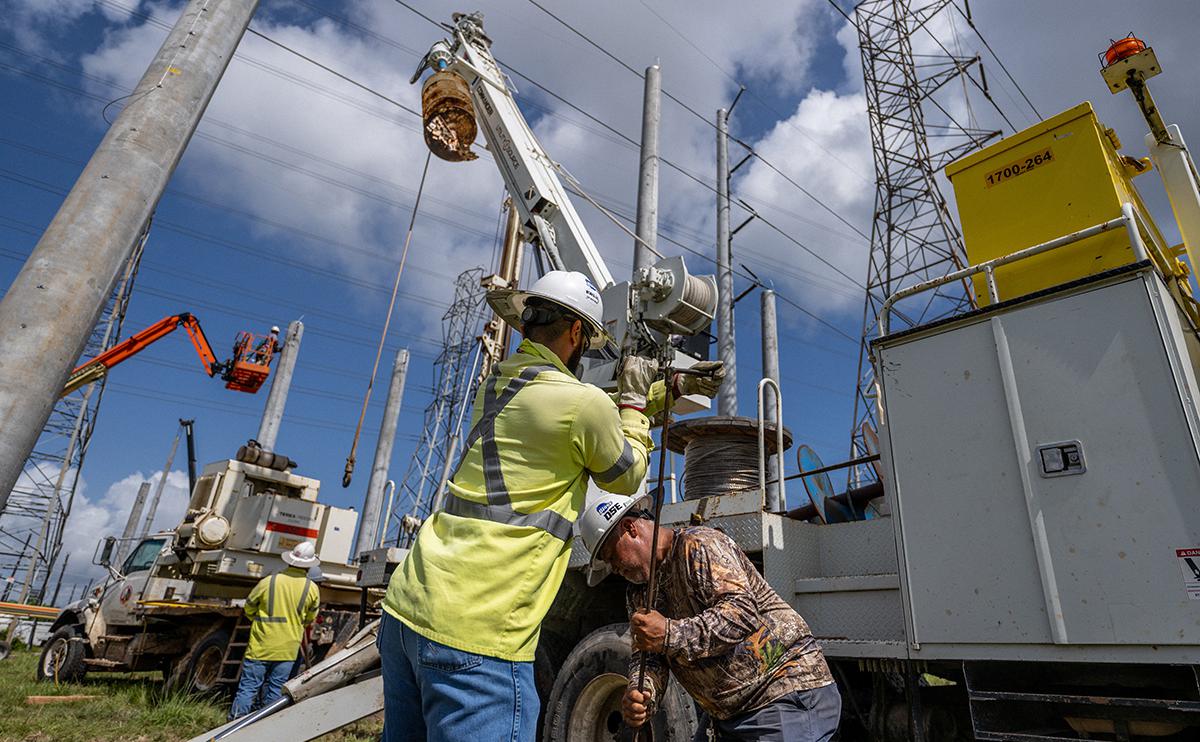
x: 1189, y: 564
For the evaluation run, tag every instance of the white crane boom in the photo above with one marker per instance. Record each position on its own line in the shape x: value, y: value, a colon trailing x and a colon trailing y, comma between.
x: 547, y: 215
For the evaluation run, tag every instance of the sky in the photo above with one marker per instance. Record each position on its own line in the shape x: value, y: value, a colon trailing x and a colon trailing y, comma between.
x: 293, y: 198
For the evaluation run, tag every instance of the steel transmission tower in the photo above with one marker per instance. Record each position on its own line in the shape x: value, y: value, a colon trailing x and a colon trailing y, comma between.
x: 32, y: 523
x: 456, y: 375
x: 914, y: 134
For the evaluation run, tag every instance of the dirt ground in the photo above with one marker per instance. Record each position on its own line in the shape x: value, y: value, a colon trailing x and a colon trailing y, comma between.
x: 129, y: 708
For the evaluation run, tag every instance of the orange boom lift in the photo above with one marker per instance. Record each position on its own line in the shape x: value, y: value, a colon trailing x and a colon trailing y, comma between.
x: 244, y: 372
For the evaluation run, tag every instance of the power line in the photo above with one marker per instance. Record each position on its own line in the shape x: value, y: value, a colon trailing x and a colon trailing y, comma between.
x: 334, y: 72
x: 780, y: 116
x: 838, y: 8
x: 967, y: 16
x: 628, y: 139
x: 187, y: 231
x: 369, y: 194
x: 392, y: 202
x: 700, y: 116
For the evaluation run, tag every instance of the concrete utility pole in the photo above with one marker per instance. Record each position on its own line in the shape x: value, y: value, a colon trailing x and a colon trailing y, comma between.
x: 281, y: 382
x: 131, y: 523
x: 727, y: 403
x: 770, y: 370
x: 368, y: 519
x: 647, y: 205
x: 162, y: 482
x: 55, y: 301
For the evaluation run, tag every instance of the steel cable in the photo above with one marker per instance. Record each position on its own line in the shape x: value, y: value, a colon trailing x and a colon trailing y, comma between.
x: 719, y: 465
x: 349, y: 471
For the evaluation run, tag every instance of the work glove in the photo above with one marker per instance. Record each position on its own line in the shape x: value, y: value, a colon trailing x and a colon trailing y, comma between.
x: 707, y: 385
x: 633, y: 383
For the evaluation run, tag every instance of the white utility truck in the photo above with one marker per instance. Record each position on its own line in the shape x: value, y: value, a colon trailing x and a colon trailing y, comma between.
x: 175, y: 603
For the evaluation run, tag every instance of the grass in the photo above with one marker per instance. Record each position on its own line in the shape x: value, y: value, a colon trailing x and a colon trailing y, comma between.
x: 131, y: 708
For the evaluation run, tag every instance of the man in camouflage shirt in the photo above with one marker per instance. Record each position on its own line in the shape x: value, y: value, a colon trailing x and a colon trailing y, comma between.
x: 744, y: 654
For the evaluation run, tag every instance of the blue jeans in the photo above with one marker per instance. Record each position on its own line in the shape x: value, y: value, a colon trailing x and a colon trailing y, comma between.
x: 800, y: 716
x: 436, y: 693
x: 261, y: 683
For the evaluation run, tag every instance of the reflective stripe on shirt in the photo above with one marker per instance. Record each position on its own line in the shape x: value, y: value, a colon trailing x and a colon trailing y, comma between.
x: 498, y: 508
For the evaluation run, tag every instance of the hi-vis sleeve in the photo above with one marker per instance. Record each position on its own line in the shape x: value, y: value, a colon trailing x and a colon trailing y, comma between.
x: 254, y: 600
x: 613, y: 445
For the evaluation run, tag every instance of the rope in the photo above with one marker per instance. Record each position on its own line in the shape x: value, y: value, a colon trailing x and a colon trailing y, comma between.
x: 349, y: 472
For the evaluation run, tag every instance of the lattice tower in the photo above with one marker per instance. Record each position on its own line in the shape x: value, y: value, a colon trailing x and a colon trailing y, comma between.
x: 915, y: 132
x: 455, y: 379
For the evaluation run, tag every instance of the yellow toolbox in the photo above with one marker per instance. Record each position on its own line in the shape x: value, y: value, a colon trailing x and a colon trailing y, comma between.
x: 1056, y: 177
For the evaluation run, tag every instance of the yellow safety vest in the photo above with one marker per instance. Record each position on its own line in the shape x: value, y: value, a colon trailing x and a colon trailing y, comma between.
x: 279, y: 607
x: 483, y: 572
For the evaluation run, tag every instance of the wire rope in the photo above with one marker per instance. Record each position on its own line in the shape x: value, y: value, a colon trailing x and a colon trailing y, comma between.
x: 349, y: 471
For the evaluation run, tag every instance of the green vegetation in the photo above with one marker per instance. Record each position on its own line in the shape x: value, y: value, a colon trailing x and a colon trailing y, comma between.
x: 130, y: 708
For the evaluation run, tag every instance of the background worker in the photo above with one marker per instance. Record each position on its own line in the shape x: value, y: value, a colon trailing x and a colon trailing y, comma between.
x: 268, y: 347
x: 279, y: 607
x: 735, y: 646
x: 462, y: 613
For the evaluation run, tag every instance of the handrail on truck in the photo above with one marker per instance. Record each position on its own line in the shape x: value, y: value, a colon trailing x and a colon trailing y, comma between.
x: 762, y: 440
x: 1129, y: 219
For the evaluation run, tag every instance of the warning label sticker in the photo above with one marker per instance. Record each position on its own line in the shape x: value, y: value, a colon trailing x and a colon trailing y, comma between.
x: 1189, y: 563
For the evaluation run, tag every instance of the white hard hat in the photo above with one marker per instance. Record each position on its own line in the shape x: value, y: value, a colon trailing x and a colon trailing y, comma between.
x: 594, y: 525
x: 568, y: 289
x: 275, y: 329
x: 303, y: 555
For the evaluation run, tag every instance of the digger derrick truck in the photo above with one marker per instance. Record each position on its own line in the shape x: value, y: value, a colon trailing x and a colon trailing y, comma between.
x: 1029, y: 570
x: 175, y: 603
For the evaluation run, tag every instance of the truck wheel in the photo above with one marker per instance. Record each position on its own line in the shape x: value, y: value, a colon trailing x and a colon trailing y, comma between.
x: 200, y: 669
x: 585, y: 704
x: 62, y: 657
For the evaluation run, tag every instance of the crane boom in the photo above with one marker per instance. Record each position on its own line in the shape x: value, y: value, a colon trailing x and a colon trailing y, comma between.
x: 548, y: 218
x: 98, y: 367
x: 661, y: 301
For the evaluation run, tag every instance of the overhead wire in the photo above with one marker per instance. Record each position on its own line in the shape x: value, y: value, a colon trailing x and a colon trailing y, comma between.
x: 667, y: 94
x: 692, y: 250
x: 325, y: 67
x: 617, y: 132
x: 186, y: 231
x: 780, y: 116
x: 970, y: 22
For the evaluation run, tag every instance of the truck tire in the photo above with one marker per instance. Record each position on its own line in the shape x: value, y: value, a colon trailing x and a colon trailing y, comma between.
x: 200, y: 669
x: 62, y: 657
x: 585, y: 703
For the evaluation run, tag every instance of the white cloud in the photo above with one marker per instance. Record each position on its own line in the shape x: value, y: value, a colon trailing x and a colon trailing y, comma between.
x: 94, y: 518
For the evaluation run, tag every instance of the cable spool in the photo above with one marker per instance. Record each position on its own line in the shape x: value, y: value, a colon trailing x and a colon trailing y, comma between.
x: 699, y: 297
x: 720, y: 454
x: 674, y: 301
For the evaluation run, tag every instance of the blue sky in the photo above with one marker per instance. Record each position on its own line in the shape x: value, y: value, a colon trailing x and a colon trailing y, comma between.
x: 293, y: 198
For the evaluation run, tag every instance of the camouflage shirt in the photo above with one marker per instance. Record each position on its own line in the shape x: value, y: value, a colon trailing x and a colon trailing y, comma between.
x: 731, y: 641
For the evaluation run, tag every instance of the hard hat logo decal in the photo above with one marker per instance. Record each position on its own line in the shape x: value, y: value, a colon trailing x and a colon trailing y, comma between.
x: 608, y: 509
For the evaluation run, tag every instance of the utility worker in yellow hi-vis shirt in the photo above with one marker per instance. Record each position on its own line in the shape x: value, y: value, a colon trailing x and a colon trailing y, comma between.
x: 279, y: 607
x: 462, y: 613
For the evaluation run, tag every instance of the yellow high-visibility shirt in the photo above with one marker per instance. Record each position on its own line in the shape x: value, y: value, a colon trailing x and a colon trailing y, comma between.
x: 483, y: 572
x: 279, y: 607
